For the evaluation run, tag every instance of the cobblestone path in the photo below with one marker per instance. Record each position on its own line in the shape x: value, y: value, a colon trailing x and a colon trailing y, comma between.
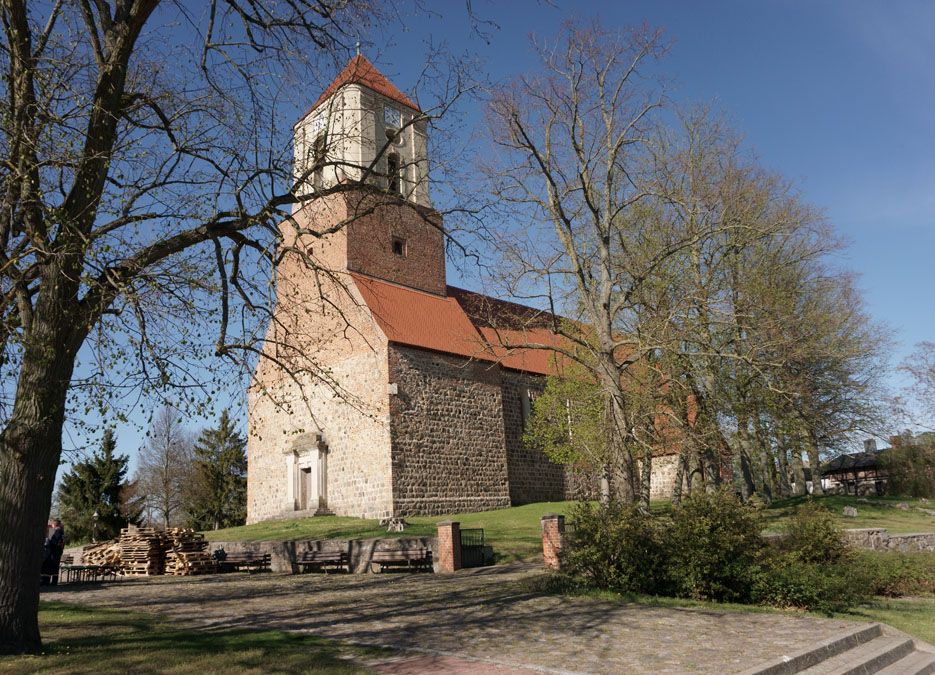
x: 484, y: 614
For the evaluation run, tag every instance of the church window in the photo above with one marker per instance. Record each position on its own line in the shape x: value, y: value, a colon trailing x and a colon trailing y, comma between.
x: 525, y: 405
x: 319, y: 151
x: 392, y: 173
x: 399, y: 247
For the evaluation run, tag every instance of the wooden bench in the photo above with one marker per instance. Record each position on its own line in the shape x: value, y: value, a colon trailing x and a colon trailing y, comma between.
x: 322, y: 560
x: 250, y: 560
x: 415, y: 559
x: 85, y: 573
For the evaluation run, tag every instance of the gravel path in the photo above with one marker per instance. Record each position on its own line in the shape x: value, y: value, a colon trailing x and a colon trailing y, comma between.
x: 485, y: 615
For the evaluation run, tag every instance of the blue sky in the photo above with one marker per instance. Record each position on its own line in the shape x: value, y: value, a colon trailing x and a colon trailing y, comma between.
x: 837, y: 96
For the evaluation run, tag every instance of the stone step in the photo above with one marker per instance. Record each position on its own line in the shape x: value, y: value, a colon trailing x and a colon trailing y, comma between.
x: 869, y: 657
x: 806, y: 658
x: 296, y: 515
x: 917, y: 663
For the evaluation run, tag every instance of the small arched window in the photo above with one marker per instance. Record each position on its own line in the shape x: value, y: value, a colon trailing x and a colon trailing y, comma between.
x: 392, y: 172
x: 319, y: 151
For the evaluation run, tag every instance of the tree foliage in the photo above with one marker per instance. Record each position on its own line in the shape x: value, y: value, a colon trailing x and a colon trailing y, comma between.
x: 218, y: 493
x: 910, y: 467
x: 703, y: 304
x: 97, y: 485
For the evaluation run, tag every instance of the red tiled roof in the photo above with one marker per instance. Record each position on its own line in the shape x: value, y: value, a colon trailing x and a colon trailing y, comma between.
x: 421, y: 319
x: 361, y: 71
x: 455, y: 325
x: 514, y: 331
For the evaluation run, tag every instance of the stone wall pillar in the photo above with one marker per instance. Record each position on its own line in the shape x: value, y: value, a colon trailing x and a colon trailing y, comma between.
x: 553, y: 538
x: 449, y: 546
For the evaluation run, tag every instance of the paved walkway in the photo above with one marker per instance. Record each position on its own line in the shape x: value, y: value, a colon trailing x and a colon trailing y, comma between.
x: 488, y: 615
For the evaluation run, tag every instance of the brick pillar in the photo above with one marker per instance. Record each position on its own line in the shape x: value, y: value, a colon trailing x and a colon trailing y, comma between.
x: 553, y: 537
x: 449, y: 546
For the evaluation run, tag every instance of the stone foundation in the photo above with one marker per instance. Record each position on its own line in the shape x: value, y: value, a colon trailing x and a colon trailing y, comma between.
x: 360, y: 551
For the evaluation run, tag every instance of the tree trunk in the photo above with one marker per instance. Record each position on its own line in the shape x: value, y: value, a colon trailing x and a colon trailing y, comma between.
x: 646, y: 472
x: 785, y: 489
x: 679, y: 479
x: 798, y: 472
x: 696, y: 477
x: 712, y: 470
x: 815, y: 461
x: 30, y: 448
x: 623, y: 477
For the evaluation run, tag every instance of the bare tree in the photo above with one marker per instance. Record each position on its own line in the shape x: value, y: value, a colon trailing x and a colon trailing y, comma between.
x: 696, y: 281
x: 920, y: 366
x: 146, y: 165
x: 571, y: 145
x: 165, y: 469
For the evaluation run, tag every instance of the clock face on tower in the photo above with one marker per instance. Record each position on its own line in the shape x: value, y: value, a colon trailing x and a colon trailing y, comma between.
x: 392, y: 117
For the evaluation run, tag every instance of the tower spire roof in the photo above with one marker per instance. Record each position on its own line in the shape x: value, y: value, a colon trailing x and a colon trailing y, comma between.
x: 361, y: 71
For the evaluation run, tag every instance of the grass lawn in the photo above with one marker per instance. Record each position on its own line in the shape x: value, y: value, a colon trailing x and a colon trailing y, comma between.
x: 515, y: 532
x: 874, y: 514
x: 102, y: 641
x: 915, y: 616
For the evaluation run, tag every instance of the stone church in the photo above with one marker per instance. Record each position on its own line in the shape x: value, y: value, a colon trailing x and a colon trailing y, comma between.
x: 386, y: 392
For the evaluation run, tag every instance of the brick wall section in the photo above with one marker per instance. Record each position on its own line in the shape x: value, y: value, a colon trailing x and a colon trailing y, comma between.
x: 447, y: 434
x: 449, y: 546
x: 553, y: 536
x: 370, y: 243
x: 533, y: 478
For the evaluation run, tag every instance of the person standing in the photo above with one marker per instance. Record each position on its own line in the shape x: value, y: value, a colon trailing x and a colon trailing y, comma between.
x: 54, y: 547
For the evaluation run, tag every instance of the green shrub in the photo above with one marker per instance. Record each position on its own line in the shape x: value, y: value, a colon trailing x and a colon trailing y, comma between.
x: 897, y: 574
x: 786, y: 580
x: 813, y: 535
x: 615, y: 547
x: 715, y: 548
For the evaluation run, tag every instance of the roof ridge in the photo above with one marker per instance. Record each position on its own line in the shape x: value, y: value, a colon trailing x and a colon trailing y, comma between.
x: 360, y: 71
x: 398, y: 284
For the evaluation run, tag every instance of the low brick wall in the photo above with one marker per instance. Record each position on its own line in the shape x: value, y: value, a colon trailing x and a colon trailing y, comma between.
x: 360, y: 551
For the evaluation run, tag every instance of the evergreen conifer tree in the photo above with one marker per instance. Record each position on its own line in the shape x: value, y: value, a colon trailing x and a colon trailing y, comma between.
x: 219, y: 492
x: 96, y: 485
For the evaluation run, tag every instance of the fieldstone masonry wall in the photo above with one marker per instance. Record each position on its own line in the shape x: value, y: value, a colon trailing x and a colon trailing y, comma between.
x: 533, y: 478
x: 664, y: 471
x: 878, y: 539
x: 448, y: 452
x: 356, y: 432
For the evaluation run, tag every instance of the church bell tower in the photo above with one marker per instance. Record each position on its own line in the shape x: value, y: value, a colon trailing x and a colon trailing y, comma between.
x: 363, y: 128
x: 365, y: 134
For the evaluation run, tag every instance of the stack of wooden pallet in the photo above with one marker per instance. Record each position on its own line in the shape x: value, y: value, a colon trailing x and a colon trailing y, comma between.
x: 187, y: 553
x: 142, y: 551
x: 105, y: 553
